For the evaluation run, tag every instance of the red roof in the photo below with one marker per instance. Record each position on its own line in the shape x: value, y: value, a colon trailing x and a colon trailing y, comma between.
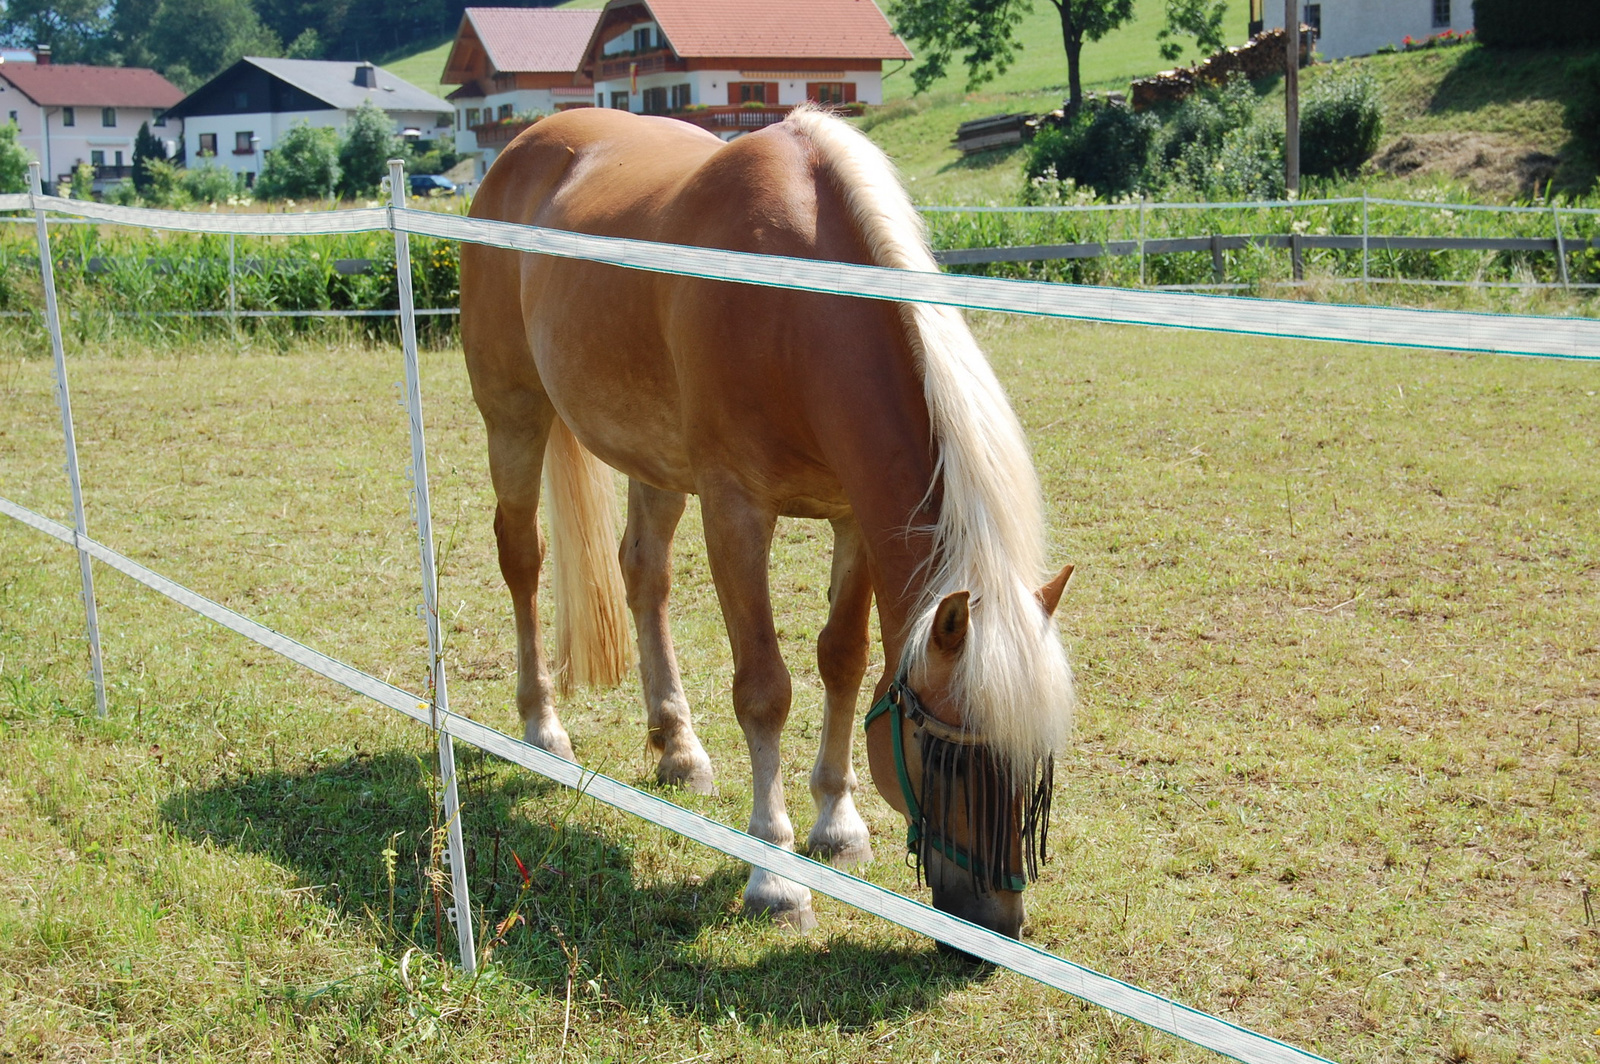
x: 76, y: 85
x: 529, y: 40
x: 776, y: 29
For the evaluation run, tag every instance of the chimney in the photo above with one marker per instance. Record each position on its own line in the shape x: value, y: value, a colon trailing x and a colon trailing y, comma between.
x: 41, y: 54
x: 367, y: 75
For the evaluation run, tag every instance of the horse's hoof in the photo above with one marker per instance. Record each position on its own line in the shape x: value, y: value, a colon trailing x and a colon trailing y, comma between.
x: 692, y: 774
x: 848, y: 855
x: 786, y: 903
x: 551, y: 740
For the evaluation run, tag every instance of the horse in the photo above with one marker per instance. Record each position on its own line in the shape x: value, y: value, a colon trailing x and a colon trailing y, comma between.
x: 883, y: 419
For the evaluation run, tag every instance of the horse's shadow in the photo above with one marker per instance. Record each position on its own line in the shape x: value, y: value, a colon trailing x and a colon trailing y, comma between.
x: 358, y: 829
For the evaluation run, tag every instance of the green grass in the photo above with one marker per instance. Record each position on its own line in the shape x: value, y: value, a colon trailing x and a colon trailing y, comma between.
x: 1333, y: 776
x: 424, y: 67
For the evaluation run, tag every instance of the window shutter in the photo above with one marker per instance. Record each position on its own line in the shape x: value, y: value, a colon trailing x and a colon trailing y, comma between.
x: 733, y: 93
x: 849, y: 92
x: 772, y: 94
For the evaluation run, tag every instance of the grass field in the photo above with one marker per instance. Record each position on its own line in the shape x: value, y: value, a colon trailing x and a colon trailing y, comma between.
x: 1333, y: 778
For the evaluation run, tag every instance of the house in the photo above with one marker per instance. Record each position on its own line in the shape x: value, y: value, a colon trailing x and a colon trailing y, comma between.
x: 1360, y: 27
x: 513, y: 63
x: 238, y: 116
x: 70, y: 113
x: 732, y: 66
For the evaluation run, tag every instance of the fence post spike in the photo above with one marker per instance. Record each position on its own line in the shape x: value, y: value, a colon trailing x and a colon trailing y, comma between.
x: 52, y: 315
x: 455, y: 850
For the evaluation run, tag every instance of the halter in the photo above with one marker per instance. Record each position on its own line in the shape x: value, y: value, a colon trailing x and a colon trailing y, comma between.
x: 951, y: 751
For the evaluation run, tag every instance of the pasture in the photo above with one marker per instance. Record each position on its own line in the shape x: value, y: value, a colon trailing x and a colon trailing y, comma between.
x: 1334, y: 776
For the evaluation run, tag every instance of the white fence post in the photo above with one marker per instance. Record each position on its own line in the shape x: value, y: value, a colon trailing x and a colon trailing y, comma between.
x: 52, y: 316
x: 461, y: 912
x: 1561, y: 247
x: 233, y: 295
x: 1366, y: 240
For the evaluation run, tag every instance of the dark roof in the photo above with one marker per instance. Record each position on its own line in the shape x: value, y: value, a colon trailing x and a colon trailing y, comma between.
x: 77, y: 85
x: 332, y: 82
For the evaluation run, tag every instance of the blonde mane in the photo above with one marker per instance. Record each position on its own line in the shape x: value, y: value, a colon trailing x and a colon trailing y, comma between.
x: 1012, y: 681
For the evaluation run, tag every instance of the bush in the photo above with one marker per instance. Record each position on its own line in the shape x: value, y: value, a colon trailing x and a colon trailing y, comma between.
x: 13, y: 160
x: 1104, y: 146
x: 146, y: 146
x: 1536, y: 23
x: 304, y: 165
x: 211, y: 183
x: 1217, y: 145
x: 369, y: 143
x: 81, y: 186
x: 1340, y: 123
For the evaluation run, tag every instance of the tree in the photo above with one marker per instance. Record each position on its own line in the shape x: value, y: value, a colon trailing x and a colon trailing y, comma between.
x: 190, y: 40
x: 307, y: 45
x: 146, y: 147
x: 304, y: 165
x: 1199, y: 19
x: 14, y: 160
x: 369, y: 144
x: 983, y: 30
x: 75, y: 30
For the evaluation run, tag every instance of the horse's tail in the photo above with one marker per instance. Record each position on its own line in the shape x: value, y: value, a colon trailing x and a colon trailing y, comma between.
x: 593, y: 644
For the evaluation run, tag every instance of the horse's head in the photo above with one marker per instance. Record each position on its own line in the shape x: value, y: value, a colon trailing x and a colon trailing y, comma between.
x: 977, y: 811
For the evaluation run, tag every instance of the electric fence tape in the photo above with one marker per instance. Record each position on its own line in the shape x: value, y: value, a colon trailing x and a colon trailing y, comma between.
x: 1504, y: 334
x: 1125, y: 999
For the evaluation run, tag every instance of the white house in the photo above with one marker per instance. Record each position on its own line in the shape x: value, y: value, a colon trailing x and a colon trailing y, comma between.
x: 515, y: 62
x: 69, y: 113
x: 1361, y: 27
x: 731, y: 66
x: 238, y: 116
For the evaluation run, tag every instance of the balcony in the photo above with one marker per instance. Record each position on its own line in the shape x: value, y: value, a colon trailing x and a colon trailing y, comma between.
x: 744, y: 119
x: 658, y: 61
x: 498, y: 134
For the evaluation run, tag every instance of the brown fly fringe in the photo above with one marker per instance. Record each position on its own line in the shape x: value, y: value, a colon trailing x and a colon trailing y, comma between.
x: 998, y: 806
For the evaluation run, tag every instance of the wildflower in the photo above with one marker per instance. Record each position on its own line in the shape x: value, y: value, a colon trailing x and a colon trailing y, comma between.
x: 522, y: 869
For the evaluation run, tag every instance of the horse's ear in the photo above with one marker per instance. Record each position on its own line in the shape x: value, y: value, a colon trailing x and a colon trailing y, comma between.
x: 950, y: 623
x: 1049, y: 596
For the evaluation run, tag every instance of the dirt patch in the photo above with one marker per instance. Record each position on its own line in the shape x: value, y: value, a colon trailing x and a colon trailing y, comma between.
x: 1499, y: 166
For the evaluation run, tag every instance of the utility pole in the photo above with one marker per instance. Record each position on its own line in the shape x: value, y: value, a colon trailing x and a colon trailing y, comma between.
x: 1291, y: 98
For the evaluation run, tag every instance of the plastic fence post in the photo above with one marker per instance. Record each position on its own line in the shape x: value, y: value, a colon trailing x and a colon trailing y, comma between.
x: 1365, y: 239
x: 1561, y: 247
x: 1141, y: 241
x: 461, y: 912
x: 52, y: 314
x: 233, y: 297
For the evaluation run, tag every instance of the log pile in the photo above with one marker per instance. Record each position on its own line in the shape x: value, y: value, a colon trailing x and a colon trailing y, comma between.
x: 1263, y: 56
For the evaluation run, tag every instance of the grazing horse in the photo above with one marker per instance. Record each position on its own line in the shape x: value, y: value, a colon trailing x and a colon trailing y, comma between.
x: 883, y: 419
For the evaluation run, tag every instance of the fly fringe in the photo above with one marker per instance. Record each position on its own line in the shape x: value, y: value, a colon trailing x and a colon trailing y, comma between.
x: 594, y: 646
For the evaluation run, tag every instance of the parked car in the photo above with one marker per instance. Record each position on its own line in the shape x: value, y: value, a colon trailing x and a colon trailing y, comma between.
x: 432, y: 185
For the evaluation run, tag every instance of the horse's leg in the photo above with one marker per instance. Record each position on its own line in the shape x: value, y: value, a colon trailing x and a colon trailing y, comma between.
x: 840, y: 833
x: 646, y: 558
x: 516, y: 457
x: 738, y: 541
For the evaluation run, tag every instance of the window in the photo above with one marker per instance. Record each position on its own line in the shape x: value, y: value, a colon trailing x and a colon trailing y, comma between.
x: 14, y: 118
x: 827, y: 92
x: 680, y: 97
x: 208, y: 144
x: 1314, y: 20
x: 97, y: 158
x: 654, y: 101
x: 119, y: 159
x: 619, y: 100
x: 69, y: 116
x: 599, y: 100
x: 641, y: 39
x: 442, y: 121
x: 762, y: 92
x: 1441, y: 13
x: 159, y: 119
x: 504, y: 112
x: 108, y: 116
x: 472, y: 117
x: 241, y: 143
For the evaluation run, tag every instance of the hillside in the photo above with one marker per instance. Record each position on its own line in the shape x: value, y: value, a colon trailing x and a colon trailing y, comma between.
x: 1491, y: 124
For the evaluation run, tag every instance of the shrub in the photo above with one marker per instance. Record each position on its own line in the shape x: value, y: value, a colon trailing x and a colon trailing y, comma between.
x: 1104, y: 146
x: 1536, y: 23
x: 364, y: 154
x: 146, y: 146
x: 211, y: 183
x: 1340, y: 123
x: 13, y: 160
x: 81, y: 186
x: 305, y: 165
x: 1218, y: 145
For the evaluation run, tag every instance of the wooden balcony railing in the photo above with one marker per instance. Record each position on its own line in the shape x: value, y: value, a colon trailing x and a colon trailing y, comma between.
x: 738, y: 117
x: 495, y: 134
x: 648, y: 63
